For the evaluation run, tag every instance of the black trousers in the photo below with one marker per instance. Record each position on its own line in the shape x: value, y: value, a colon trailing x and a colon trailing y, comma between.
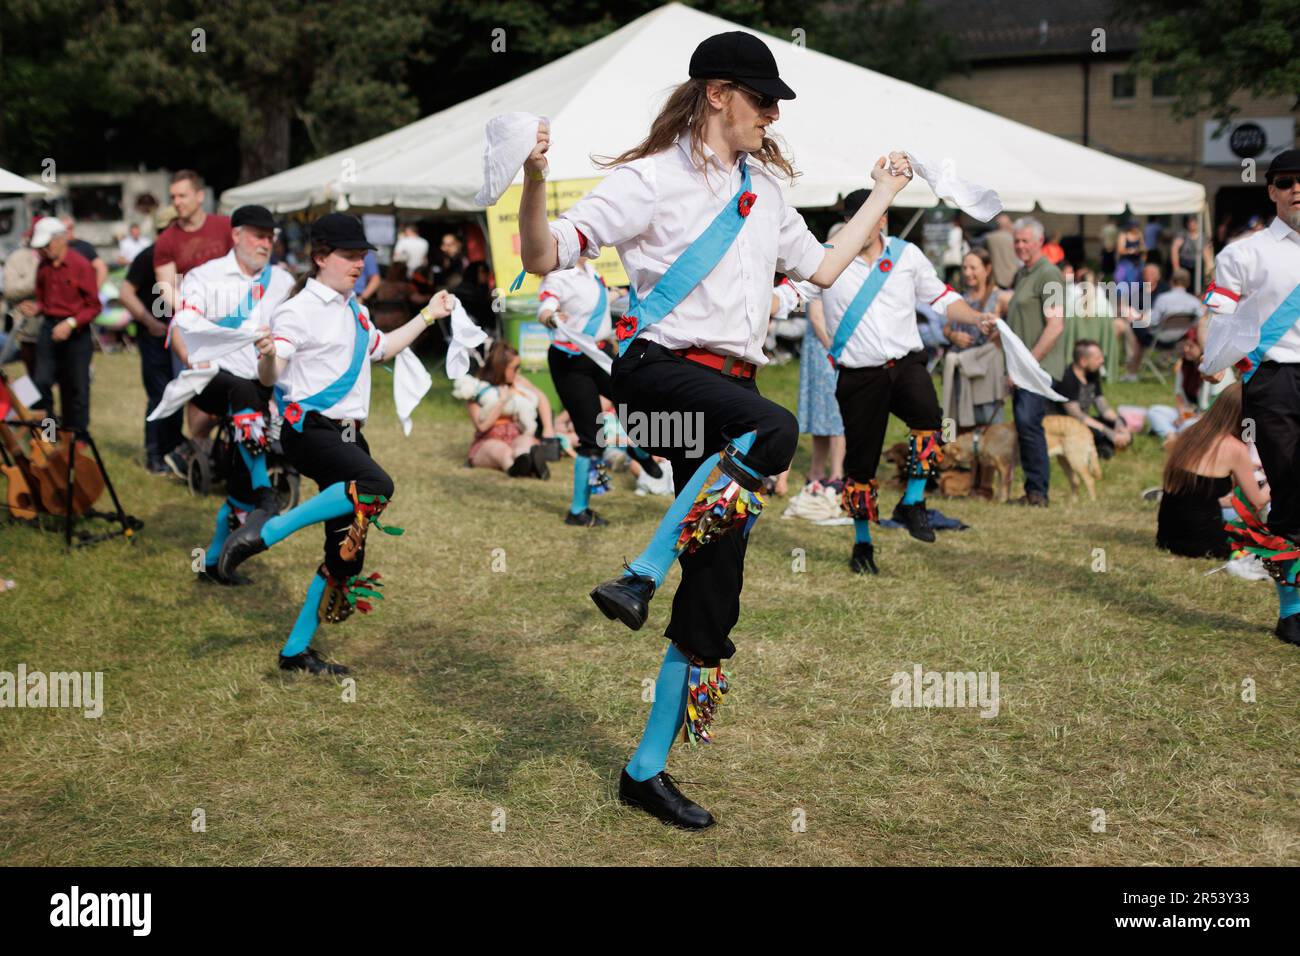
x: 66, y: 364
x: 866, y: 398
x: 650, y: 379
x: 228, y: 393
x: 322, y: 453
x: 580, y: 383
x: 161, y: 436
x: 1272, y: 400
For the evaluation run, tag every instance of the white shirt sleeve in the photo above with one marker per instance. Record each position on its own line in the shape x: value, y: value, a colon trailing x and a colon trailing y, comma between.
x: 618, y: 210
x: 548, y: 295
x: 930, y: 289
x: 378, y: 340
x: 1231, y: 275
x: 288, y: 331
x: 191, y: 310
x: 799, y: 253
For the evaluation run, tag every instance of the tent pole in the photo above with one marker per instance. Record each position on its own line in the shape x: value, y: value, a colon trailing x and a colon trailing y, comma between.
x: 1200, y: 255
x: 911, y: 222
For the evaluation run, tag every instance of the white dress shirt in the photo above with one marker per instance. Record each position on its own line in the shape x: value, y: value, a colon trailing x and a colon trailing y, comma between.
x: 413, y: 250
x: 129, y: 248
x: 574, y: 292
x: 652, y: 209
x: 315, y: 331
x: 1251, y: 279
x: 215, y: 290
x: 888, y: 330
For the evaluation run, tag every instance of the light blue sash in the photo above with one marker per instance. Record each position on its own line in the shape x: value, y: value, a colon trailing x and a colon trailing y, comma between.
x: 687, y: 270
x: 1277, y: 325
x: 865, y: 296
x: 593, y: 322
x: 254, y: 295
x: 296, y: 412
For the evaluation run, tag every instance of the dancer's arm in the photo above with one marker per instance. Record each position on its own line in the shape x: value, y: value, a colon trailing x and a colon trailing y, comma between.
x: 538, y: 249
x: 439, y: 307
x: 1243, y: 474
x: 850, y: 240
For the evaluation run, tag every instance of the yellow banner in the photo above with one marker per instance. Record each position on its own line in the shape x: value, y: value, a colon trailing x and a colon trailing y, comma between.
x: 503, y: 235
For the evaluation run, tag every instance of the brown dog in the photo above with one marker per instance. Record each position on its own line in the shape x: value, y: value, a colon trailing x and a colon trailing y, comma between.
x: 998, y: 455
x: 1071, y: 441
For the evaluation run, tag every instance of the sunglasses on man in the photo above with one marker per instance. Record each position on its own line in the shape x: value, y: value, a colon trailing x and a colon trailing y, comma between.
x: 761, y: 100
x: 1284, y: 183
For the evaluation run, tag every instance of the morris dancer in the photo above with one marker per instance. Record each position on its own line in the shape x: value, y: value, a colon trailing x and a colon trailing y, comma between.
x: 1255, y: 298
x: 574, y: 302
x: 324, y: 344
x: 240, y: 290
x: 873, y: 341
x: 697, y: 214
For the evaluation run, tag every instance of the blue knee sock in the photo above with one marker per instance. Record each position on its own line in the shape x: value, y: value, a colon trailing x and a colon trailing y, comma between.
x: 660, y: 553
x: 666, y: 716
x: 305, y: 626
x: 256, y: 465
x: 581, y: 485
x: 219, y: 535
x: 330, y: 503
x: 861, y: 530
x: 915, y: 491
x: 1288, y: 600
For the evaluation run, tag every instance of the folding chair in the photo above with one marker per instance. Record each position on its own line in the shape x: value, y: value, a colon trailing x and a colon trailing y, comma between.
x: 1160, y: 357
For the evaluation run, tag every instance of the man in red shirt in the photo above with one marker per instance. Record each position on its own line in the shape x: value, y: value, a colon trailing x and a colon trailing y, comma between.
x: 67, y: 294
x: 192, y: 239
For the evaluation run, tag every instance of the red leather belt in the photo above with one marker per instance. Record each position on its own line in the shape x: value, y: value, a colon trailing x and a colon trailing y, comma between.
x: 726, y: 364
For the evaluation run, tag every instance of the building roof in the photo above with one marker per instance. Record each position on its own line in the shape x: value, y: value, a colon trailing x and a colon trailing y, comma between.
x: 1010, y: 29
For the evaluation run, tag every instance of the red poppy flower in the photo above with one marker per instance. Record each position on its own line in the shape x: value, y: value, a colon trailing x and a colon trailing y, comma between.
x: 625, y: 327
x: 745, y: 203
x: 886, y: 265
x: 293, y: 413
x: 257, y: 292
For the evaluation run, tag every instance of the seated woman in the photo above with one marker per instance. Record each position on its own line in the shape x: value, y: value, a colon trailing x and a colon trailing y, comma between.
x: 1192, y: 393
x: 1205, y: 461
x: 504, y: 408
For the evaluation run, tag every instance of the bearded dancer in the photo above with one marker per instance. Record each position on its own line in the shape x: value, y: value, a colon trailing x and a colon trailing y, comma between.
x: 324, y: 344
x: 874, y: 344
x: 1255, y: 298
x: 699, y: 219
x: 240, y: 290
x: 574, y: 303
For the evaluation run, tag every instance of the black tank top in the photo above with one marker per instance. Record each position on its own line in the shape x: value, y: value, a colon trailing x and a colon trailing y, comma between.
x: 1190, y: 522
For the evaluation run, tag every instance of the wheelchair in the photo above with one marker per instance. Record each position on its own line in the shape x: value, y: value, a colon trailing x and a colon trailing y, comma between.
x: 205, y: 471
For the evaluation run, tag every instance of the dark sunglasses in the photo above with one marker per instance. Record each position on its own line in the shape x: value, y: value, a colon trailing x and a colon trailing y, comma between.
x: 761, y: 100
x: 1284, y: 183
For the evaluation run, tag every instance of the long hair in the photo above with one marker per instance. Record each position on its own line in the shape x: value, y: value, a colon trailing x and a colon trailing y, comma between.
x: 313, y: 270
x: 686, y: 111
x: 499, y: 357
x: 1197, y: 441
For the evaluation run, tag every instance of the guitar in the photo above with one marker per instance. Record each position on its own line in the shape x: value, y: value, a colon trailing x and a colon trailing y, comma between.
x: 49, y: 466
x: 18, y: 477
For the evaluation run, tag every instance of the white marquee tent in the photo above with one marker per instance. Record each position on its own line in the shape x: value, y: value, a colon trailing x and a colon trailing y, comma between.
x: 13, y: 183
x: 601, y: 99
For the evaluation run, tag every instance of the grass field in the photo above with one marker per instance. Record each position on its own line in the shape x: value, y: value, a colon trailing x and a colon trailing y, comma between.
x: 494, y: 709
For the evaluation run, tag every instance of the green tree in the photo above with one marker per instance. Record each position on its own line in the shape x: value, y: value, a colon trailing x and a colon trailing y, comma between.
x: 899, y: 38
x: 1216, y: 49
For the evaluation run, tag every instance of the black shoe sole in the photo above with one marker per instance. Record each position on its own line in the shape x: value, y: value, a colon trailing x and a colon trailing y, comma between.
x: 617, y: 612
x: 228, y: 560
x: 211, y: 577
x: 863, y: 568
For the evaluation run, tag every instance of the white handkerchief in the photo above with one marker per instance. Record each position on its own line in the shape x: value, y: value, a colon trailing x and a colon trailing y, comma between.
x: 465, y: 335
x: 211, y: 342
x: 1227, y: 342
x: 1023, y: 368
x: 509, y: 139
x: 588, y: 347
x: 181, y: 389
x: 411, y: 382
x: 973, y: 199
x: 25, y: 390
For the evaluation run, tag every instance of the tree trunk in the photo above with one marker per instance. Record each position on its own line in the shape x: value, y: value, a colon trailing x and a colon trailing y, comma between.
x: 264, y: 139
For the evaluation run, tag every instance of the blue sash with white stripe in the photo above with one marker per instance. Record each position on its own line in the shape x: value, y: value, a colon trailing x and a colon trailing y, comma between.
x: 1275, y: 326
x: 865, y: 296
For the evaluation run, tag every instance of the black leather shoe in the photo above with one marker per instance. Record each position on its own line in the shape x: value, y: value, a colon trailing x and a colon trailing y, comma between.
x: 268, y: 501
x: 588, y: 519
x: 917, y: 519
x: 243, y: 543
x: 210, y: 576
x: 1033, y: 499
x: 540, y: 469
x: 1288, y: 629
x: 660, y: 798
x: 311, y: 661
x: 864, y: 558
x: 626, y: 598
x: 521, y: 467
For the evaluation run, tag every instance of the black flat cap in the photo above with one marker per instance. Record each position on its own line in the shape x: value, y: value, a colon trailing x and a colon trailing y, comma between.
x: 338, y: 230
x: 1287, y: 161
x: 742, y: 57
x: 854, y: 200
x: 257, y: 216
